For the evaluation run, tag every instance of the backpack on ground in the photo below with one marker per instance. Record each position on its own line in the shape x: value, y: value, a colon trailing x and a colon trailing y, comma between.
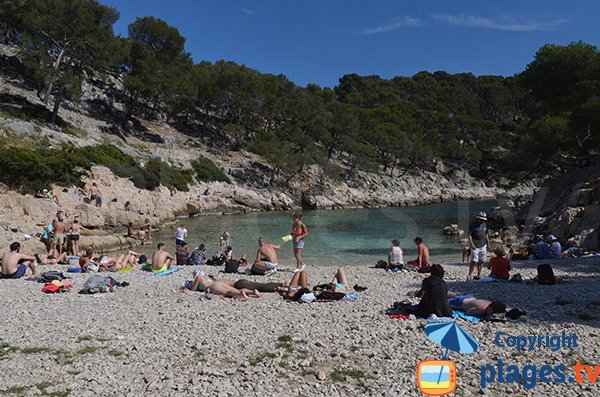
x: 232, y: 266
x: 545, y: 274
x: 50, y: 276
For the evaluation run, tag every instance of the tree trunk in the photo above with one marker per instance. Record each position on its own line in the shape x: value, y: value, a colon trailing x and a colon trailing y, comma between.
x: 61, y: 54
x: 129, y: 111
x: 57, y: 100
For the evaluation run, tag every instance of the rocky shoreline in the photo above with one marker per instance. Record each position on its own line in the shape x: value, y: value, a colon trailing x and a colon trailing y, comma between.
x: 106, y: 226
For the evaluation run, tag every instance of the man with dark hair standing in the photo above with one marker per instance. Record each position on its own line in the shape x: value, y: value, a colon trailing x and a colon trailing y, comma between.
x: 479, y: 241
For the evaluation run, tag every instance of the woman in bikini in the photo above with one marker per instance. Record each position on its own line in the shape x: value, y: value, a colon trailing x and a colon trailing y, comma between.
x: 299, y: 232
x: 74, y: 235
x: 223, y: 288
x: 339, y: 283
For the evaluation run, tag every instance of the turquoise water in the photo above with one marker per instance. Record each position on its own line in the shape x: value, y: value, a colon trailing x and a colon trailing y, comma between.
x: 359, y: 236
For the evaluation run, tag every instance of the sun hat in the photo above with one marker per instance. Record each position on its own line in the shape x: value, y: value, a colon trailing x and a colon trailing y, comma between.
x: 482, y: 215
x: 499, y: 251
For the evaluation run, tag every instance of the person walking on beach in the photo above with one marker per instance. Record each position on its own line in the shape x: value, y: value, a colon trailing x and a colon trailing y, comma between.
x: 161, y: 259
x: 181, y: 235
x: 299, y: 232
x: 14, y: 264
x: 266, y: 258
x: 96, y: 195
x: 479, y: 241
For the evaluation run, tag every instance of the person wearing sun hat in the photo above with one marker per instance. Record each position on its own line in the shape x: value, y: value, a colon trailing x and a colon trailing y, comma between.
x: 479, y: 241
x: 555, y: 247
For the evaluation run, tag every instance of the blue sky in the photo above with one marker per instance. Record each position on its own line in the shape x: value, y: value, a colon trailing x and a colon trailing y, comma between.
x: 314, y: 41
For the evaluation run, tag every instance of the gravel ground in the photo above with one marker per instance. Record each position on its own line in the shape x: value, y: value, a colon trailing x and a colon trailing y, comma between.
x: 149, y: 339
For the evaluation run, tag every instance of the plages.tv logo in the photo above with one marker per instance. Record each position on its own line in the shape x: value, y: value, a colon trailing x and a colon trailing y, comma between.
x: 438, y: 377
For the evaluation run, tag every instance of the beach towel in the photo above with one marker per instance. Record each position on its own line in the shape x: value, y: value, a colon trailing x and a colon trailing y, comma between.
x: 351, y: 297
x: 465, y: 316
x: 400, y: 316
x: 125, y: 269
x: 57, y: 286
x: 164, y: 273
x: 75, y: 270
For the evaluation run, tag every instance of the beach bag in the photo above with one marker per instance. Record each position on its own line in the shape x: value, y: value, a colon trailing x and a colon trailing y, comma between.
x: 381, y: 264
x: 50, y: 276
x: 545, y: 274
x: 232, y: 266
x: 99, y: 284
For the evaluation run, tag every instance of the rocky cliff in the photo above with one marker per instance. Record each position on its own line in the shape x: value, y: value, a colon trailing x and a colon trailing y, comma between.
x: 570, y: 207
x: 250, y: 189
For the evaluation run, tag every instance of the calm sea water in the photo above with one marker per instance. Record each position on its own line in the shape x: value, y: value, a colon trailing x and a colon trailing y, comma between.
x: 358, y: 236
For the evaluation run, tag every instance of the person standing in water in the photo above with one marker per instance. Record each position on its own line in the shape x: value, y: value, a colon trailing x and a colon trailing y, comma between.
x: 299, y: 232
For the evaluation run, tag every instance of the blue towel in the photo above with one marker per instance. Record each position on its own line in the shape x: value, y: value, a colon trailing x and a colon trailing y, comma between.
x: 75, y: 270
x: 166, y: 272
x: 465, y: 316
x: 351, y: 297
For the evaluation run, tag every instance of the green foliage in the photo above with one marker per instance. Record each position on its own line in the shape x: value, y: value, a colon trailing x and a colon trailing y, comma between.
x: 546, y: 118
x: 206, y: 170
x: 31, y: 169
x: 62, y: 38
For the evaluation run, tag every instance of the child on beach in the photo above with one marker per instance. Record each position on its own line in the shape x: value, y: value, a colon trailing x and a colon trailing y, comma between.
x: 299, y: 232
x: 500, y: 265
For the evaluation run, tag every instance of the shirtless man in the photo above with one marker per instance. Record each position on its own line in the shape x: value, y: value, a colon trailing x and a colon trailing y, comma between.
x: 86, y: 259
x: 266, y: 257
x: 161, y: 259
x: 14, y: 264
x: 60, y: 229
x: 476, y: 307
x: 422, y: 262
x: 95, y: 195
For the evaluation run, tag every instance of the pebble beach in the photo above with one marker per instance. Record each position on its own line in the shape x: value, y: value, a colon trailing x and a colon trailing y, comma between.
x: 150, y: 339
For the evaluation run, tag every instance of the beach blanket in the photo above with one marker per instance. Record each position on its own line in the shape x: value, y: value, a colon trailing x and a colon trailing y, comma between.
x: 351, y: 297
x: 163, y: 273
x: 125, y: 269
x: 465, y: 316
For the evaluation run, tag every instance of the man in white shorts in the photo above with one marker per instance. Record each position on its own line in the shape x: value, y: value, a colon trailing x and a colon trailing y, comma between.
x: 480, y: 242
x: 266, y: 258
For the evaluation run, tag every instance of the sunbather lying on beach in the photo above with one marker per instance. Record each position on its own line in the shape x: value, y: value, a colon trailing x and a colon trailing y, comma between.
x: 122, y: 261
x: 221, y: 287
x: 296, y: 288
x: 51, y: 260
x: 476, y: 307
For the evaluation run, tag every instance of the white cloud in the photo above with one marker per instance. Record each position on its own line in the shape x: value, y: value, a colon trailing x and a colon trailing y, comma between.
x: 510, y: 24
x: 247, y: 11
x: 395, y: 23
